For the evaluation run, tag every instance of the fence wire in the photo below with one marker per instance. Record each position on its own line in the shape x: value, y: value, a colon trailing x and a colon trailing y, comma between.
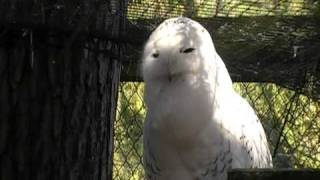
x: 291, y: 118
x: 208, y: 8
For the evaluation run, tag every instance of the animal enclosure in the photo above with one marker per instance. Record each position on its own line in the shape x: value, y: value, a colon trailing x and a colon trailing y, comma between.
x: 71, y: 92
x: 270, y: 50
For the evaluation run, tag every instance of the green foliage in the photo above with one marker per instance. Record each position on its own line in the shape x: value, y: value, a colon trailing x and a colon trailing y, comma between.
x: 150, y: 9
x: 128, y: 127
x: 316, y: 9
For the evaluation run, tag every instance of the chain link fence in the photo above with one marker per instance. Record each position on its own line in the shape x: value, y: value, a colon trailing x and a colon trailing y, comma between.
x: 128, y: 128
x: 290, y: 112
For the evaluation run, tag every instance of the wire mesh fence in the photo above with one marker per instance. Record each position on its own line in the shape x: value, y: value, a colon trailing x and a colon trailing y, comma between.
x: 128, y: 132
x: 290, y: 114
x: 209, y: 8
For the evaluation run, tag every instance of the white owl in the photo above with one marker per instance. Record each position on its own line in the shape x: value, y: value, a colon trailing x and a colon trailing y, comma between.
x: 197, y: 127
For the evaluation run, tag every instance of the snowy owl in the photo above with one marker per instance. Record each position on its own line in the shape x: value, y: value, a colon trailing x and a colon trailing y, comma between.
x: 197, y: 127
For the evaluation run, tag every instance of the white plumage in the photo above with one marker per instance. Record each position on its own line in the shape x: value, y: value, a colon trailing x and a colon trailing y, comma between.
x: 196, y: 127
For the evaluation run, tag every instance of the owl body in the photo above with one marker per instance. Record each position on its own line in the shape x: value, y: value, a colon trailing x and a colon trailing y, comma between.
x: 196, y: 127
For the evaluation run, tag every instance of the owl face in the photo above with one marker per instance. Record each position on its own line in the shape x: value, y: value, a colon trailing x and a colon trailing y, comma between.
x: 178, y: 47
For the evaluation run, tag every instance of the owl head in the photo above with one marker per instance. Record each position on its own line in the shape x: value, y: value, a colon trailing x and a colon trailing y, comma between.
x: 177, y: 47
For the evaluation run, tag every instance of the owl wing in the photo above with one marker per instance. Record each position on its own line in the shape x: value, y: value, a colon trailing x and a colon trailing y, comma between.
x: 251, y: 147
x: 151, y: 168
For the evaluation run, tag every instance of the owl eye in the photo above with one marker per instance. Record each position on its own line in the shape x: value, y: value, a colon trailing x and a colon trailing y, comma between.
x: 188, y: 50
x: 155, y: 55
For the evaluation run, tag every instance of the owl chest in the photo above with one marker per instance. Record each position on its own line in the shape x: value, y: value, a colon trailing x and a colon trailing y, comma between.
x: 182, y: 109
